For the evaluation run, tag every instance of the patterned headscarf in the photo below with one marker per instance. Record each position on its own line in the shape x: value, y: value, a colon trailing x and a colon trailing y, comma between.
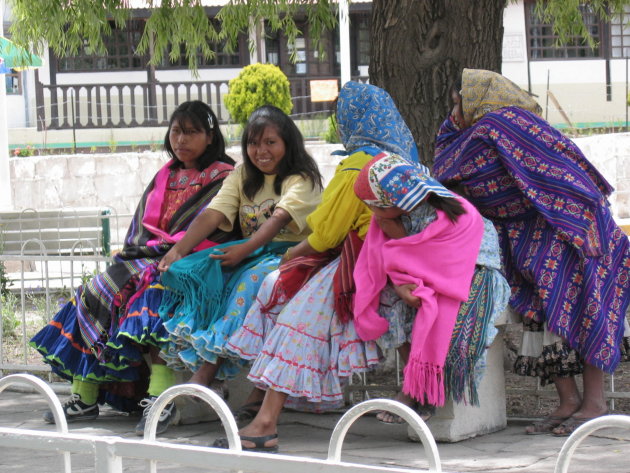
x: 390, y: 181
x: 367, y: 116
x: 485, y: 91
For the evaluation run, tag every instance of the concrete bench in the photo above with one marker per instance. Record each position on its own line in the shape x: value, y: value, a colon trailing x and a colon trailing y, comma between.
x: 62, y: 232
x: 455, y: 422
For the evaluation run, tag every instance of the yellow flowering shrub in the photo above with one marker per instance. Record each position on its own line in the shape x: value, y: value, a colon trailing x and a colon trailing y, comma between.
x: 258, y: 85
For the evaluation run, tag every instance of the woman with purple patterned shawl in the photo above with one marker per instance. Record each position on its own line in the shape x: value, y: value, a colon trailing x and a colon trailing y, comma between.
x: 566, y: 260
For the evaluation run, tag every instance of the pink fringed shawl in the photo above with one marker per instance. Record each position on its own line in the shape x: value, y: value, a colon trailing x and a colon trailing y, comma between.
x: 440, y: 260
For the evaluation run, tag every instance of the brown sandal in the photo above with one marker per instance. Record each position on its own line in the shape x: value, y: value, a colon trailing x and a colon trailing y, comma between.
x: 545, y: 425
x: 570, y: 425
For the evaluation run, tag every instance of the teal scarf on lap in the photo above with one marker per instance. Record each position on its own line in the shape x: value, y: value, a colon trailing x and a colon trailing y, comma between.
x: 198, y: 284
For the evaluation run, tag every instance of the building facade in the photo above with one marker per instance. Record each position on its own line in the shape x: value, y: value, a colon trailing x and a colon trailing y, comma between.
x: 577, y: 85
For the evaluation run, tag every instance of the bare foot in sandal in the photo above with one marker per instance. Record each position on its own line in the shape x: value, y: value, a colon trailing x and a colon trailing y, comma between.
x: 545, y: 425
x: 389, y: 418
x: 570, y: 424
x: 548, y: 423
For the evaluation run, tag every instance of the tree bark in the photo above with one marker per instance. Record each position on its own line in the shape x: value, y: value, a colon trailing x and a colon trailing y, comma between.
x: 419, y: 48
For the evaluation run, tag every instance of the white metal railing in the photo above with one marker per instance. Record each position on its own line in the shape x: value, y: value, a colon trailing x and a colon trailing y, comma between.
x: 67, y: 274
x: 40, y: 270
x: 109, y: 451
x: 583, y: 431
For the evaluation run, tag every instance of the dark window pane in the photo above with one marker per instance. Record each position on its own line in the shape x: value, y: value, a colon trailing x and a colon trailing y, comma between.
x: 543, y: 42
x: 119, y: 46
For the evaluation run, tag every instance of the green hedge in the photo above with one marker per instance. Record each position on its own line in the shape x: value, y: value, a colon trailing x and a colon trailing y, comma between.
x: 255, y: 86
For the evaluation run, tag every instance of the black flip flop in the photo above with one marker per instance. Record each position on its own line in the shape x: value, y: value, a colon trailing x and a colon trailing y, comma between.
x: 259, y: 443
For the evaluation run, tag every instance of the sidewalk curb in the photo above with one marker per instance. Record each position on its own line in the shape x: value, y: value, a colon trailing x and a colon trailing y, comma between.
x: 58, y: 388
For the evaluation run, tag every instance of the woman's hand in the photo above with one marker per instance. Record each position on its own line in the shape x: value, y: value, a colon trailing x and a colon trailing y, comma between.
x: 232, y: 255
x: 404, y: 291
x: 392, y: 227
x: 287, y: 256
x: 169, y: 258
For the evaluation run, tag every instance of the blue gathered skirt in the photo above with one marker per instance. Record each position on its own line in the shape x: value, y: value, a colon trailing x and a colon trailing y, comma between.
x: 63, y: 348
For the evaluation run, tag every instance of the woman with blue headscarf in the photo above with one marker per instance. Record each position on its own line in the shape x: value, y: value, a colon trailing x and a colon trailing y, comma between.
x: 300, y: 334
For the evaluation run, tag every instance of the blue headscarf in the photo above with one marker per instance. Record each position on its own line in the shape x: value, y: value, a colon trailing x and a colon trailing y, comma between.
x: 368, y: 118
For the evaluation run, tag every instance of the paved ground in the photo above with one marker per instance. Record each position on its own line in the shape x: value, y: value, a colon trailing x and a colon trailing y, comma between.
x: 368, y: 442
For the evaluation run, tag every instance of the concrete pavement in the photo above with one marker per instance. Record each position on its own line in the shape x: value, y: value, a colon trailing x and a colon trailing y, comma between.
x: 368, y: 442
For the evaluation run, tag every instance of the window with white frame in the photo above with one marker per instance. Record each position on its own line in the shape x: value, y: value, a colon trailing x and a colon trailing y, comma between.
x: 612, y: 39
x: 620, y: 35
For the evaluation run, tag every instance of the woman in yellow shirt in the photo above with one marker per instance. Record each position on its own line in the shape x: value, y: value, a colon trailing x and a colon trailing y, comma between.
x: 300, y: 334
x: 209, y: 292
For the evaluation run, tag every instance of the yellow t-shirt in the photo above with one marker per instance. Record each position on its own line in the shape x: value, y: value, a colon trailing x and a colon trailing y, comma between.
x: 298, y: 197
x: 341, y: 211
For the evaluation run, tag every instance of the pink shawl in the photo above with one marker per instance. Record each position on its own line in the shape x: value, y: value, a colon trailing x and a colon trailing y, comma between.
x: 440, y: 260
x: 155, y: 200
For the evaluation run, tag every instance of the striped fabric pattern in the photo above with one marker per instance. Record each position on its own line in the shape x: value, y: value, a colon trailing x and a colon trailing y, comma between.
x: 96, y: 302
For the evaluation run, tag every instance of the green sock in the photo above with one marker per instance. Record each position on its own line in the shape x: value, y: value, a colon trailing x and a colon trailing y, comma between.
x: 162, y: 378
x: 87, y: 391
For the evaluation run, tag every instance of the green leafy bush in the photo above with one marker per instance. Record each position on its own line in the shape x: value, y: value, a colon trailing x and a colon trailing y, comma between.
x: 5, y: 282
x: 331, y: 135
x: 24, y: 152
x: 8, y: 314
x: 255, y: 86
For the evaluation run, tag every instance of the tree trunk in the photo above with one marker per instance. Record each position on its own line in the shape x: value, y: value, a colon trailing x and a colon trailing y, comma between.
x: 419, y: 48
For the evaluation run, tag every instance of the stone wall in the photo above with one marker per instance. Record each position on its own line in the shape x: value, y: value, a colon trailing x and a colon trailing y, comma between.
x: 113, y: 180
x: 610, y: 154
x: 117, y: 180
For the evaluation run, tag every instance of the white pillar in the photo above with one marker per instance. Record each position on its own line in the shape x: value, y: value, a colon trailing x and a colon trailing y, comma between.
x: 5, y: 175
x: 257, y: 39
x: 344, y: 40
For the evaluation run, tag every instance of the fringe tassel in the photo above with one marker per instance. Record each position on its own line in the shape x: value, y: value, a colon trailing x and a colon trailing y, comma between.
x: 424, y: 382
x: 459, y: 377
x: 344, y: 306
x: 188, y: 291
x: 278, y: 297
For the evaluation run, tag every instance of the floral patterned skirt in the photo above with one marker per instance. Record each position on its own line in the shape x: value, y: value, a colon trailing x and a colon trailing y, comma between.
x: 547, y: 356
x: 301, y: 348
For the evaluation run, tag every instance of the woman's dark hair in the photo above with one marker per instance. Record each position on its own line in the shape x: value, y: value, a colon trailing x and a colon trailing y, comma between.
x: 202, y: 118
x: 455, y: 88
x: 296, y: 159
x: 451, y: 207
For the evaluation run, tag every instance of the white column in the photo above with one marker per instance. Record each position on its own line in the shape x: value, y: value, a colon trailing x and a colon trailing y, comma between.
x: 257, y: 38
x: 344, y: 40
x: 5, y: 175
